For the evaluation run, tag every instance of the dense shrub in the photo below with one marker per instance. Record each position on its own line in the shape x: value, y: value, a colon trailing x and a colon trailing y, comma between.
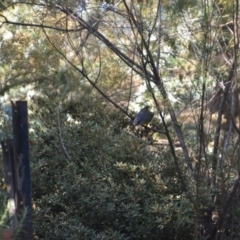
x: 114, y: 187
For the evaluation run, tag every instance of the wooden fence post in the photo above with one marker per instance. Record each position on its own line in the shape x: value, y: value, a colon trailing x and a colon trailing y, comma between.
x: 10, y: 179
x: 17, y: 172
x: 22, y: 164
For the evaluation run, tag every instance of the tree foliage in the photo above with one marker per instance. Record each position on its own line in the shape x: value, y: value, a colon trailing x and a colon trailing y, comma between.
x: 85, y: 67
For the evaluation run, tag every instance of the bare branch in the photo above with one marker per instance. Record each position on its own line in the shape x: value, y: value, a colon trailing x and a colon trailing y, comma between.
x: 226, y: 205
x: 6, y: 21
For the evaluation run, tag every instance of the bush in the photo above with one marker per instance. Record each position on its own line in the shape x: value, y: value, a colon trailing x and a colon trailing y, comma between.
x: 114, y: 187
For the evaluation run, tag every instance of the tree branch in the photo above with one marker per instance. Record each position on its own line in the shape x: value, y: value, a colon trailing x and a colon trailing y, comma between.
x: 225, y: 207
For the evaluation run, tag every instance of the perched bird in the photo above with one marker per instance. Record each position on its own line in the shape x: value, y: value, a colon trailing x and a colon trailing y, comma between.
x: 143, y: 117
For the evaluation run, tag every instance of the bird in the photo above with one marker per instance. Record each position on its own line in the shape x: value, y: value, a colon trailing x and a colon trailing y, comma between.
x: 143, y: 117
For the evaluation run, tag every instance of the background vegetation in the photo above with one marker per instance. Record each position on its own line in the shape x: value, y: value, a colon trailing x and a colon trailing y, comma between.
x: 86, y: 68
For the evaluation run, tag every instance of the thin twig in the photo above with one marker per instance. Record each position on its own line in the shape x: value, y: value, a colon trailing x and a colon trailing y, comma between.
x: 59, y: 124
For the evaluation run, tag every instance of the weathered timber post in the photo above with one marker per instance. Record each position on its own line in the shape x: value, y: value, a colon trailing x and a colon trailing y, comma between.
x: 22, y: 165
x: 10, y: 179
